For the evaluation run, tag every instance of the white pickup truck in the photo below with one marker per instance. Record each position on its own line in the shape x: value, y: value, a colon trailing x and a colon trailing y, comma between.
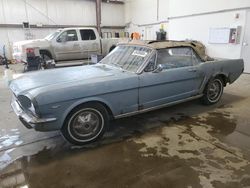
x: 66, y: 44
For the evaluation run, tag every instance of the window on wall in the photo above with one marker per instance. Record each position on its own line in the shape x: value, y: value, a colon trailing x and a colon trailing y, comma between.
x: 87, y: 34
x: 177, y: 57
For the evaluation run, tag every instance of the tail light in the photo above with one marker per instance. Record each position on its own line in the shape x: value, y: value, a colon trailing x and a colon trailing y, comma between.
x: 30, y: 50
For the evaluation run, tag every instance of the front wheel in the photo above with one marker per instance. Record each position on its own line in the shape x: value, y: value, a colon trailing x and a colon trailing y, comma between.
x: 45, y: 56
x: 213, y: 91
x: 85, y: 124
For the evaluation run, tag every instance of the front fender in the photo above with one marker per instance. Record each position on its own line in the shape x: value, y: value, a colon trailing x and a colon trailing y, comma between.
x: 82, y: 101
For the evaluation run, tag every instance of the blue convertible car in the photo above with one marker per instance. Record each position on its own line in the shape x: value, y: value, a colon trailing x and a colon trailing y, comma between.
x: 134, y: 78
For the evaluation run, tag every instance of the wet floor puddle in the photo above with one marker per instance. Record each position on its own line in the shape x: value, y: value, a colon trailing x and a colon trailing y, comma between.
x: 217, y: 164
x: 179, y: 152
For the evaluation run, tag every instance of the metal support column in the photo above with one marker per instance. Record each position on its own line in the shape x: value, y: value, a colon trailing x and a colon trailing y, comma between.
x: 98, y: 16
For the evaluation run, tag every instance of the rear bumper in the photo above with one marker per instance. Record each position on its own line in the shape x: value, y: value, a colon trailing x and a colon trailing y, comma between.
x: 30, y: 121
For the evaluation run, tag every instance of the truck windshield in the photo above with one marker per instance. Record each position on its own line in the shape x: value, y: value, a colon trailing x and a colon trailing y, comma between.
x: 52, y: 35
x: 129, y: 58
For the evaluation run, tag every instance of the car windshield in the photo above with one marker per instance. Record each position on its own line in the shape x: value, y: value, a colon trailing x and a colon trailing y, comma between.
x: 52, y: 35
x: 128, y: 58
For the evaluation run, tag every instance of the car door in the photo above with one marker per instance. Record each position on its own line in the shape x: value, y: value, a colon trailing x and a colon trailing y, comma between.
x: 178, y: 77
x: 90, y: 43
x: 67, y: 46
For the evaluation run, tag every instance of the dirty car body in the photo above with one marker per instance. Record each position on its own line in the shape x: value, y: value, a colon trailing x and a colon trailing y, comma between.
x: 134, y: 78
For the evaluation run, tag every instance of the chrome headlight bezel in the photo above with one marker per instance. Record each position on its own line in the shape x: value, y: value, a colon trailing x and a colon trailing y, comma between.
x: 32, y: 109
x: 27, y: 103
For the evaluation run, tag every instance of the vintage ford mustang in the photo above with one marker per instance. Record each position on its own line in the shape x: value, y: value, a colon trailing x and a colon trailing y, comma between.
x: 134, y: 78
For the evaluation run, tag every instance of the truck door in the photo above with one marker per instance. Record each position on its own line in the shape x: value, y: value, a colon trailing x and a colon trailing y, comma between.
x: 90, y: 42
x: 67, y: 46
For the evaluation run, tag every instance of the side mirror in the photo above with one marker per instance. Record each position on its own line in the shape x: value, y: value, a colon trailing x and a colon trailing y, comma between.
x: 158, y: 69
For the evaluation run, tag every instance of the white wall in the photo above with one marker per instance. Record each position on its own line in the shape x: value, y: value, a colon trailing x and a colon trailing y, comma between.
x: 197, y: 28
x: 113, y: 14
x: 141, y: 16
x: 187, y: 7
x: 53, y: 12
x: 189, y: 19
x: 184, y: 24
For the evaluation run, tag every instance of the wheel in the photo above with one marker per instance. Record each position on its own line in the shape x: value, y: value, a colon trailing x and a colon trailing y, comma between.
x: 45, y: 55
x: 85, y: 124
x: 213, y: 91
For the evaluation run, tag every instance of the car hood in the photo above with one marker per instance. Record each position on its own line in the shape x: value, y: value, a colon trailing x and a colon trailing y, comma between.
x: 32, y: 43
x: 52, y: 79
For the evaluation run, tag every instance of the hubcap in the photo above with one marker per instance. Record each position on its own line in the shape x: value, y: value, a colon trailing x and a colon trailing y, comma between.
x: 86, y: 124
x: 214, y: 90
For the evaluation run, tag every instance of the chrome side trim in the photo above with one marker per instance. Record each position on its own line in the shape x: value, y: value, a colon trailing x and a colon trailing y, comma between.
x: 29, y: 118
x: 158, y: 107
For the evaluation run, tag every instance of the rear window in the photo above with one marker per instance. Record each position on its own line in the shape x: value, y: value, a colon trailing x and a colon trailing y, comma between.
x: 87, y: 34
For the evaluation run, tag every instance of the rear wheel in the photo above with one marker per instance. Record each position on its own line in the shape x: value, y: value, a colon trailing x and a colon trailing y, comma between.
x: 85, y: 124
x: 213, y: 91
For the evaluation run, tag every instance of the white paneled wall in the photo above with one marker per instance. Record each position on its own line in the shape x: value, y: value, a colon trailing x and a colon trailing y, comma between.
x: 189, y: 19
x: 146, y: 16
x: 187, y: 7
x: 72, y: 12
x: 113, y: 14
x: 184, y: 23
x: 197, y: 28
x: 139, y: 11
x: 60, y: 12
x: 53, y: 12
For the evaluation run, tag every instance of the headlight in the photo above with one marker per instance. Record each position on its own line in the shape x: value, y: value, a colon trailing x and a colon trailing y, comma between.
x: 26, y: 103
x: 32, y: 109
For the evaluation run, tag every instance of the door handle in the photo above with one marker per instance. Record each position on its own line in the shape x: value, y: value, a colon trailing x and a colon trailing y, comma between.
x: 192, y: 70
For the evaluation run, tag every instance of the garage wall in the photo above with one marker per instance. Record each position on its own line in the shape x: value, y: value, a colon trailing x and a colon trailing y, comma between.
x: 187, y: 7
x: 146, y: 16
x: 192, y: 19
x: 197, y: 28
x: 52, y: 12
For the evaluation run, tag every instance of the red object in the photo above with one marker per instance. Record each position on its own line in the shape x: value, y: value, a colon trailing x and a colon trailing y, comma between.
x: 30, y: 50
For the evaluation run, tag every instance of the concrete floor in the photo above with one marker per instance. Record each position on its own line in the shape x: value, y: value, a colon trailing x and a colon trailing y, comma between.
x: 188, y: 145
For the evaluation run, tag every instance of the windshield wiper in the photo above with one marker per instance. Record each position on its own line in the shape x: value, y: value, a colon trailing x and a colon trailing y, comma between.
x: 117, y: 65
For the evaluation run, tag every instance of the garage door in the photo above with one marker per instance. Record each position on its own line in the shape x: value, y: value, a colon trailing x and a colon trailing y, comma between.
x: 246, y: 44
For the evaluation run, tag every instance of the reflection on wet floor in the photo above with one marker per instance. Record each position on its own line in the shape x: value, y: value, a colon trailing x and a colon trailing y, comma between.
x: 142, y: 151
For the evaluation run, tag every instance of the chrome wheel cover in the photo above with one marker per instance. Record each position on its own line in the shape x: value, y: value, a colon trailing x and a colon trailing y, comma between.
x: 85, y: 125
x: 214, y: 90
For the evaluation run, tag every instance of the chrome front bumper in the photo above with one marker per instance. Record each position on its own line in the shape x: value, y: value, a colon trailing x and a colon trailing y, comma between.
x: 28, y: 119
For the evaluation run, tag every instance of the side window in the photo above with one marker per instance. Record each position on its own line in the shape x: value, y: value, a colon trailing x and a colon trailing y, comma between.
x: 177, y: 57
x: 69, y: 35
x: 151, y: 64
x: 87, y: 34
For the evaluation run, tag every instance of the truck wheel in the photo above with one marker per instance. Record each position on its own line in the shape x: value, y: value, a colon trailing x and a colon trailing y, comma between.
x: 45, y: 55
x: 213, y: 91
x: 85, y: 124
